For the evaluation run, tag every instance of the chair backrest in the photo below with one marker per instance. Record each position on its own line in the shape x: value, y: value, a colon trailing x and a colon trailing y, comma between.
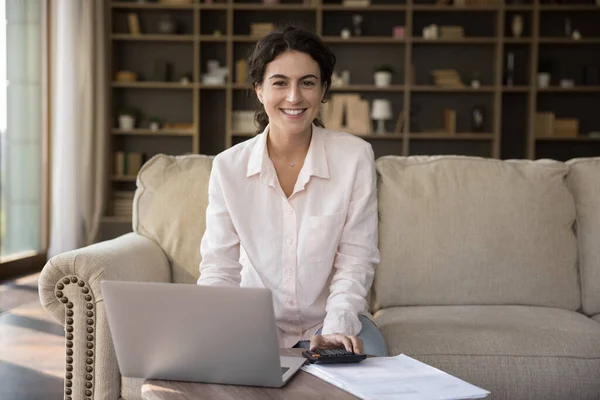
x: 170, y: 208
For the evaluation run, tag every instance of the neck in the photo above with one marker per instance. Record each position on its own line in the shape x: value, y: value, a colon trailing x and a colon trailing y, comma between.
x: 288, y: 146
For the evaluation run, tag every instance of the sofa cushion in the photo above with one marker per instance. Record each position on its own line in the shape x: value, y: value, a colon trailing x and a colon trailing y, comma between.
x: 463, y: 230
x: 516, y: 352
x: 170, y: 208
x: 596, y: 317
x: 584, y: 181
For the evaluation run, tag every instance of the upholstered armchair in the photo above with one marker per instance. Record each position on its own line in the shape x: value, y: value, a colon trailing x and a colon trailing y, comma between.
x: 168, y: 224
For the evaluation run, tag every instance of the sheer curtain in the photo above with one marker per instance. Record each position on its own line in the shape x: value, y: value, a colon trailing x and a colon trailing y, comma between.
x: 21, y: 127
x: 79, y: 122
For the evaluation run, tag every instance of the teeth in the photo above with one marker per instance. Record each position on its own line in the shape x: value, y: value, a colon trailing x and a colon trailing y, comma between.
x: 293, y: 112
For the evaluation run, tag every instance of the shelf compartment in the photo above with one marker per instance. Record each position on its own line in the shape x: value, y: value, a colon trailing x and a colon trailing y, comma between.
x: 152, y: 85
x: 465, y: 40
x: 368, y: 88
x: 278, y: 7
x: 580, y: 138
x: 568, y: 41
x: 574, y: 89
x: 372, y: 7
x: 468, y: 89
x: 515, y: 89
x: 149, y: 132
x: 446, y: 136
x: 364, y: 40
x: 153, y: 38
x: 446, y: 8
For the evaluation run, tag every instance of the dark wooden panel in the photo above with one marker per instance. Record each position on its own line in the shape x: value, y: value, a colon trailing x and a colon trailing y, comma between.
x: 242, y: 19
x: 450, y: 147
x: 371, y: 56
x: 150, y: 19
x: 467, y: 60
x: 213, y: 20
x: 375, y: 23
x: 212, y: 121
x: 141, y: 58
x: 514, y: 126
x: 483, y: 24
x: 431, y: 107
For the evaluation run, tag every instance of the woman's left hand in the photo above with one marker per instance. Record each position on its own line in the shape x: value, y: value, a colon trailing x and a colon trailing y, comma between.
x: 335, y: 341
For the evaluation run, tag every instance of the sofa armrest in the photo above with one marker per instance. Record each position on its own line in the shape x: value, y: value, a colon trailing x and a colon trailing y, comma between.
x: 69, y: 288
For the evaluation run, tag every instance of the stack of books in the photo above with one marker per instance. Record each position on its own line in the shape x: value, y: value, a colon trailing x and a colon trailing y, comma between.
x: 478, y: 2
x: 452, y: 32
x: 544, y: 124
x: 123, y: 203
x: 243, y: 121
x: 446, y: 78
x: 261, y: 29
x: 128, y: 163
x: 566, y: 127
x: 356, y: 3
x: 450, y: 121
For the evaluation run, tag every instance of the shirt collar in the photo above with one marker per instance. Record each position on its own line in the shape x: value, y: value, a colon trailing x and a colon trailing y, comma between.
x: 315, y: 163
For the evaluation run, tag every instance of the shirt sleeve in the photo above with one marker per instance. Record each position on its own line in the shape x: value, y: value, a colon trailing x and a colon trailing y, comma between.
x: 357, y: 254
x: 220, y: 247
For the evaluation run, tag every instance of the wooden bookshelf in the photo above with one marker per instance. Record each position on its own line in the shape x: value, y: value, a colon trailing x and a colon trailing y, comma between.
x: 509, y: 110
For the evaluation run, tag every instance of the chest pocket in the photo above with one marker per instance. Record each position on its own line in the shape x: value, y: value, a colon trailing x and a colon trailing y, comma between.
x: 324, y: 235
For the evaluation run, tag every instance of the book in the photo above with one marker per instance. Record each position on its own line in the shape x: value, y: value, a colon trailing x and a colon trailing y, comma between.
x: 134, y: 24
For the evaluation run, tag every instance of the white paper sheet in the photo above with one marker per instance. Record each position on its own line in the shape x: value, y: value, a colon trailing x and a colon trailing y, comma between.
x: 400, y: 377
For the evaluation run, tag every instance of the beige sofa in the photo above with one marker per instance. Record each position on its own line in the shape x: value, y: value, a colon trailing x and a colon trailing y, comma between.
x: 490, y: 270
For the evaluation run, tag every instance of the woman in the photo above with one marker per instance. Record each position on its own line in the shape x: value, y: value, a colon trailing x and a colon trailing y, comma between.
x: 294, y: 209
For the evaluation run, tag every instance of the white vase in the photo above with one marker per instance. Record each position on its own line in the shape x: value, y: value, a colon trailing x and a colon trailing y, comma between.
x: 383, y: 78
x: 126, y: 122
x: 154, y: 126
x: 543, y: 79
x: 517, y: 26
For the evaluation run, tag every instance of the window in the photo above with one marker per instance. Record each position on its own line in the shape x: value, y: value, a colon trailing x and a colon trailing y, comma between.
x: 22, y: 128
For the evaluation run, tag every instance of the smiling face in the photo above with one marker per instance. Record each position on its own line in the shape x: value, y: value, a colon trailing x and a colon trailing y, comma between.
x: 291, y: 92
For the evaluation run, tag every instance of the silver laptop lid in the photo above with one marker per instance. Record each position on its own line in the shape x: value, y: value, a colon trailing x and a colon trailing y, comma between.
x: 193, y: 333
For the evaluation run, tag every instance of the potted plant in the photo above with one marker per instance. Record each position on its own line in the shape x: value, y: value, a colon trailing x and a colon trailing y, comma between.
x: 383, y: 75
x: 127, y: 118
x: 155, y: 123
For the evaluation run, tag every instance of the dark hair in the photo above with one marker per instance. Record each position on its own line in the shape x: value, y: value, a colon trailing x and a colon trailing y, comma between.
x: 279, y: 41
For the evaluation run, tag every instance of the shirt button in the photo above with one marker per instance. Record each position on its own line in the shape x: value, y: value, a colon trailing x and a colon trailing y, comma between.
x: 290, y: 211
x: 291, y: 302
x: 289, y: 241
x: 289, y: 272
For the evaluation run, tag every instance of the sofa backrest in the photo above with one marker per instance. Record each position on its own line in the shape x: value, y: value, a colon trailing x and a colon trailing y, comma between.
x: 170, y: 208
x: 463, y: 230
x: 584, y: 182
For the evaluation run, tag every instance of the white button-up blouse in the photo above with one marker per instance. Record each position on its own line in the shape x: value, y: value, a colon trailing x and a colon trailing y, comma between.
x: 316, y: 250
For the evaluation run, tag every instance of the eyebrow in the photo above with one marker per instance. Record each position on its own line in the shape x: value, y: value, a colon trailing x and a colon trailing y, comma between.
x: 280, y: 76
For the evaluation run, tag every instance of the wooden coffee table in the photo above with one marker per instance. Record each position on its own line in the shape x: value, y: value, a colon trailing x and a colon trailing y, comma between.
x: 301, y: 386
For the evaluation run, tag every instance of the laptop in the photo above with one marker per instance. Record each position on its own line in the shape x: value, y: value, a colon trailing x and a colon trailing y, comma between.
x: 186, y: 332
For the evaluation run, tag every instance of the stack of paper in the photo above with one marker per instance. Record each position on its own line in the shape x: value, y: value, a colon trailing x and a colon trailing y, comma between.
x: 398, y: 378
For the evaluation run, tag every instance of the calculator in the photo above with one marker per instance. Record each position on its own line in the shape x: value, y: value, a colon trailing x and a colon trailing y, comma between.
x: 332, y: 356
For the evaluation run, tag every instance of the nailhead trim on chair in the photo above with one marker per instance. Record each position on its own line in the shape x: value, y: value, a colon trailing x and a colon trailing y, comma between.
x: 90, y: 322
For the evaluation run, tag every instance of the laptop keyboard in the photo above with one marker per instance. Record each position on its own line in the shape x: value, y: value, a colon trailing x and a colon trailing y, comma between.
x: 284, y: 370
